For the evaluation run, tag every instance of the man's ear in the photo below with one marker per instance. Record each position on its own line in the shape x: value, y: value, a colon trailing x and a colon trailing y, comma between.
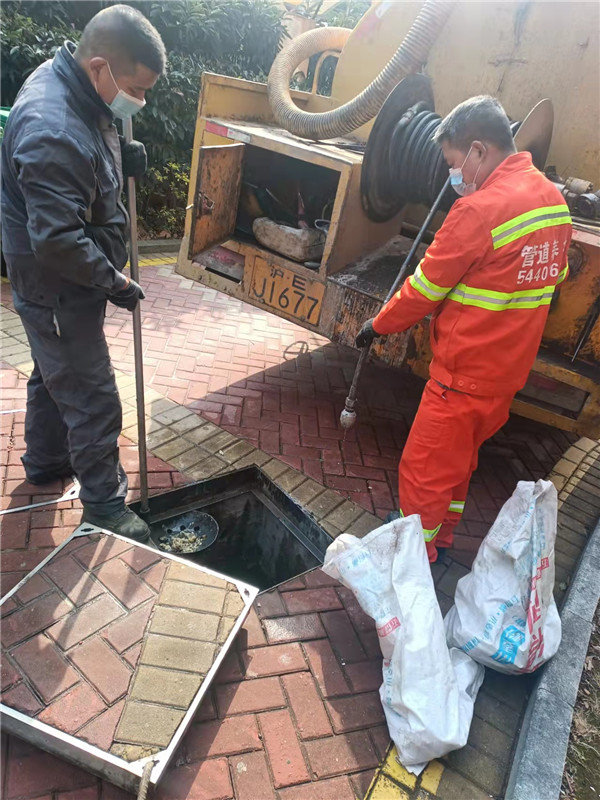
x: 95, y: 64
x: 479, y: 148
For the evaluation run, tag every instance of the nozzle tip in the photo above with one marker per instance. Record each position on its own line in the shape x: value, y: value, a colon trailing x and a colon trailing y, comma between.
x: 347, y: 419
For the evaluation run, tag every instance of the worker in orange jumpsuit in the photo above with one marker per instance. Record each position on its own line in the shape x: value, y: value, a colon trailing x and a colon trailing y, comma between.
x: 487, y: 281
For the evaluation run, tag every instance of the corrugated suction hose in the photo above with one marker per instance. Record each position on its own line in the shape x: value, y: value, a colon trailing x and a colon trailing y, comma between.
x: 408, y: 58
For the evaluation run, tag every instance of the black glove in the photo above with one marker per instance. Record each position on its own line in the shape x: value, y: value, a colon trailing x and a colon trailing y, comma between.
x: 128, y: 297
x: 366, y: 334
x: 133, y: 158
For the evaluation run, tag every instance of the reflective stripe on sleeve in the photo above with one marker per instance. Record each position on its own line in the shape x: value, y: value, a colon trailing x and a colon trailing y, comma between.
x: 562, y: 275
x: 426, y: 287
x: 544, y: 217
x: 457, y: 506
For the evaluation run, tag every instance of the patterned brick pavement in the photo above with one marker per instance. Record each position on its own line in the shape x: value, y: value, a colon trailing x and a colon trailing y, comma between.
x: 275, y: 394
x: 58, y: 644
x: 294, y: 712
x: 281, y: 388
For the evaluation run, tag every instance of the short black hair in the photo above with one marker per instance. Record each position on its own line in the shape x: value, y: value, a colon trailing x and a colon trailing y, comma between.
x: 479, y: 118
x: 122, y: 35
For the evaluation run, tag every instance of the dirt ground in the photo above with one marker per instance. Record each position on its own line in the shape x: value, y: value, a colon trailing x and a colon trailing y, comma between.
x: 581, y: 780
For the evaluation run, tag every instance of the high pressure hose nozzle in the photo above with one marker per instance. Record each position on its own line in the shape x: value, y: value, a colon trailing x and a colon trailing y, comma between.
x: 347, y: 418
x: 348, y: 415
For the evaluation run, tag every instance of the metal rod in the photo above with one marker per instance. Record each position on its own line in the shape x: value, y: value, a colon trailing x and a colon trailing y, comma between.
x: 591, y: 320
x: 417, y: 241
x: 138, y: 352
x: 348, y: 415
x: 72, y: 493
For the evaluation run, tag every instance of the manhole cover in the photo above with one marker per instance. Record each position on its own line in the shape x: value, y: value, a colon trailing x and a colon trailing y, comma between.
x: 110, y: 650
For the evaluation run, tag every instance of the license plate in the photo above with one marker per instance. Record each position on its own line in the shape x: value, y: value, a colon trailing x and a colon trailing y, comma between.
x: 286, y: 291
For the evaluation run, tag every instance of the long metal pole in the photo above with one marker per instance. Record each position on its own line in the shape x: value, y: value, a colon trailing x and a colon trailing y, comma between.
x: 138, y: 352
x: 348, y: 415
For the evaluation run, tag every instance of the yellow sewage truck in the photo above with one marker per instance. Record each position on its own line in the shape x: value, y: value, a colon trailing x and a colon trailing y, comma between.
x: 306, y: 204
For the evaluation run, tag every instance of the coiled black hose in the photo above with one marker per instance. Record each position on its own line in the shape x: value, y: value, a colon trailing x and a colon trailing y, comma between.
x: 403, y: 164
x: 416, y: 162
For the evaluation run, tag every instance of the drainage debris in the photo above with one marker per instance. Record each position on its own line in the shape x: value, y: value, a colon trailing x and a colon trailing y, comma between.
x: 188, y: 533
x: 183, y: 542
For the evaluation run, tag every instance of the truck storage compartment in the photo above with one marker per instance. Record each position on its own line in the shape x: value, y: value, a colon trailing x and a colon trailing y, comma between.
x: 238, y: 184
x: 286, y: 190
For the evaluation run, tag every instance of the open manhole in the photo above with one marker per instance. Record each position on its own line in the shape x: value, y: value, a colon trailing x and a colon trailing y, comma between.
x: 109, y: 646
x: 265, y: 537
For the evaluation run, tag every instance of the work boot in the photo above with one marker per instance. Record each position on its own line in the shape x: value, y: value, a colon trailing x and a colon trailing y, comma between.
x: 392, y: 516
x: 441, y: 552
x: 124, y: 522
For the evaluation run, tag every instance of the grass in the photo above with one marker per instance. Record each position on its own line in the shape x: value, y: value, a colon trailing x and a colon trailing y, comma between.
x: 581, y: 779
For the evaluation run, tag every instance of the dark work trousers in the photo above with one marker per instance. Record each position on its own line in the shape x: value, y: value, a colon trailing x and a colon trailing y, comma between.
x: 73, y: 406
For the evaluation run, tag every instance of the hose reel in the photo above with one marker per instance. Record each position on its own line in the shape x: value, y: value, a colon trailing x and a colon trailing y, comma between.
x: 403, y: 165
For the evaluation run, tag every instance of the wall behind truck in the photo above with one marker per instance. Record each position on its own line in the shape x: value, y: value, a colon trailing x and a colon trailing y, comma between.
x: 519, y: 52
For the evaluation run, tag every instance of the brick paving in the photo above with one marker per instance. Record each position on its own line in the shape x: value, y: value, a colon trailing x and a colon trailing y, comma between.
x: 281, y: 388
x: 284, y: 712
x: 271, y: 708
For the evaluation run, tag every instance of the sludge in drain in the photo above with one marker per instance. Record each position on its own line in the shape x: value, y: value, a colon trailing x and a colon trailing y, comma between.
x: 265, y: 537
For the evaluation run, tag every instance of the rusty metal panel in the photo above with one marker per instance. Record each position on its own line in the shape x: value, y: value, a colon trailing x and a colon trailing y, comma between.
x: 352, y: 312
x: 217, y: 194
x: 575, y: 301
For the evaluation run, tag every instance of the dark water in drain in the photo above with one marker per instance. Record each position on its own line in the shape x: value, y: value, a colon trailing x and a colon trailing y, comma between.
x: 254, y: 545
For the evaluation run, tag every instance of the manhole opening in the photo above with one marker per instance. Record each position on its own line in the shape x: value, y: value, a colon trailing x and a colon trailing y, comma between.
x: 265, y: 537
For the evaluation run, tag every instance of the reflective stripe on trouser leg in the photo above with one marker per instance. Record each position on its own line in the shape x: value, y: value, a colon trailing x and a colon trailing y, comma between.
x: 441, y: 453
x: 445, y: 535
x: 429, y: 534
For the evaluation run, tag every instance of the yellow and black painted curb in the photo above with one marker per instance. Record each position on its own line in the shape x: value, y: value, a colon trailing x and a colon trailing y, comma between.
x: 393, y: 782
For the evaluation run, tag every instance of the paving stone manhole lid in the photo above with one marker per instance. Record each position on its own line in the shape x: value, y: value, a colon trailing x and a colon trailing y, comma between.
x: 108, y: 648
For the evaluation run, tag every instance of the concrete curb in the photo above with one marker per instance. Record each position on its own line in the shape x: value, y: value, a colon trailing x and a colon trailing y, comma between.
x: 546, y: 727
x: 159, y: 245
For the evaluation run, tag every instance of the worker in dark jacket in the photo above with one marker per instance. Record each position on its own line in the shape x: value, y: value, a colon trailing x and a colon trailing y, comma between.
x: 64, y: 236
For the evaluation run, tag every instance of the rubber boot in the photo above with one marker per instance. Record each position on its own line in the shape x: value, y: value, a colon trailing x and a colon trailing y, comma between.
x: 392, y: 516
x: 124, y: 522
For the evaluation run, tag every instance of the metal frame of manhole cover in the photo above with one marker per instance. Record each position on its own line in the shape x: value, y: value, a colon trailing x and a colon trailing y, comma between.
x: 118, y: 770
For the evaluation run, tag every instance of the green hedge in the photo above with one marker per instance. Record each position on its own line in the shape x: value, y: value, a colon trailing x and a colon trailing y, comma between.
x: 234, y: 37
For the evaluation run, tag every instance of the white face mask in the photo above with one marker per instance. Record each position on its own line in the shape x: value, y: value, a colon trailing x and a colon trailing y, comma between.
x: 123, y: 105
x: 457, y: 180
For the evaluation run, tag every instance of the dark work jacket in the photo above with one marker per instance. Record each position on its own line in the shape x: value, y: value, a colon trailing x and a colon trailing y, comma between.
x: 63, y: 224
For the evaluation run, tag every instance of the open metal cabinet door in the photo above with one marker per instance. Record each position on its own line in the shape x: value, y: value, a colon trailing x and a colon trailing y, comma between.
x: 217, y: 196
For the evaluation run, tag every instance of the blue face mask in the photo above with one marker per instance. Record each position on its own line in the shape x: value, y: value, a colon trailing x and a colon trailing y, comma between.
x: 457, y: 180
x: 124, y: 105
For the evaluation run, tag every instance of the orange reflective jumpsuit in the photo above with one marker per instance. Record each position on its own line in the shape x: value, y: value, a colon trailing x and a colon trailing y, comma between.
x: 487, y: 280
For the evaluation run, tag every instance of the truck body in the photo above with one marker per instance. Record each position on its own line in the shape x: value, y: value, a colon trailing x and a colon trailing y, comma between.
x: 244, y: 166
